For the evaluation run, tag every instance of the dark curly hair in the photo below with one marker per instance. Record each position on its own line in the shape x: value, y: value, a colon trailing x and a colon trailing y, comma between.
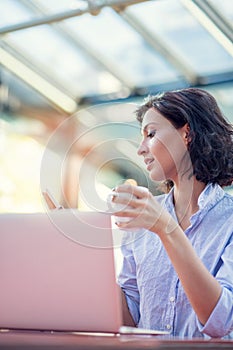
x: 211, y: 136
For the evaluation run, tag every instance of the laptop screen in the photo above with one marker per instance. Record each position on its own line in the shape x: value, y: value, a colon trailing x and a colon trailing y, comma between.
x: 57, y: 272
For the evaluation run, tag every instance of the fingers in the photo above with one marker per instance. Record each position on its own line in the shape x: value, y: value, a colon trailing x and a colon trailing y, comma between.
x: 129, y: 197
x: 128, y: 203
x: 124, y: 199
x: 137, y: 191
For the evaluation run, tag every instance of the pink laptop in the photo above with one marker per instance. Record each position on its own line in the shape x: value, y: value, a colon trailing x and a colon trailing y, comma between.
x: 57, y: 272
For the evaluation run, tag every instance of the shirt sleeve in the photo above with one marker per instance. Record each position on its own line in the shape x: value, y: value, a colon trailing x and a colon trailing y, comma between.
x: 220, y: 322
x: 127, y: 278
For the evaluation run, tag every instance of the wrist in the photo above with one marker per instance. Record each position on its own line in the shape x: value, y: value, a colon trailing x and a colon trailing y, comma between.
x: 166, y: 226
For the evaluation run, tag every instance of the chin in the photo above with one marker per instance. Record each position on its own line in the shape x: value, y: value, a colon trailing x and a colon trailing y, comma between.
x: 157, y: 177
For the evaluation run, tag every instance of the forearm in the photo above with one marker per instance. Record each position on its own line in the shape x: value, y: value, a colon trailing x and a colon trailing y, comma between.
x: 127, y: 318
x: 201, y: 288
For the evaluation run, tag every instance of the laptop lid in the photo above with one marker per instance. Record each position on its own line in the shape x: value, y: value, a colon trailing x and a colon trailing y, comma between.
x: 57, y: 272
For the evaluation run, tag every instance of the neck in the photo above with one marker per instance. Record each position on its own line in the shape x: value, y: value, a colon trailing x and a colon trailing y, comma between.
x: 186, y: 195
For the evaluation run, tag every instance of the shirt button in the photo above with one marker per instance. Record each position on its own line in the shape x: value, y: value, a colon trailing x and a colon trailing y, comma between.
x: 168, y: 326
x: 172, y: 299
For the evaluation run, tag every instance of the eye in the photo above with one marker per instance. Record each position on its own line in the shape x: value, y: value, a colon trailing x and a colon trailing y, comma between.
x: 151, y: 134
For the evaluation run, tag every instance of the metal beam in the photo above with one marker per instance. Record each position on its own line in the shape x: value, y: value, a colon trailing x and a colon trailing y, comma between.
x: 93, y: 7
x: 77, y: 41
x: 55, y: 96
x: 213, y: 21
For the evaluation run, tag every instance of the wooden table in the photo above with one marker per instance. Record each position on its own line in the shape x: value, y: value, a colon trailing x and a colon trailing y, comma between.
x: 60, y: 341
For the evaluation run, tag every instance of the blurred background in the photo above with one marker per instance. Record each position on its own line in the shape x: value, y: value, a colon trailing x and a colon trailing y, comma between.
x: 71, y: 75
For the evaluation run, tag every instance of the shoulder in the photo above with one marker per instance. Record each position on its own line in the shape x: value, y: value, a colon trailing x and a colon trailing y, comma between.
x: 228, y: 197
x: 218, y: 205
x: 226, y: 205
x: 226, y: 201
x: 214, y: 195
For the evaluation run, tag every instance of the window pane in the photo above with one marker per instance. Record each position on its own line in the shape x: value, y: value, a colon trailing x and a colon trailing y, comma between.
x: 193, y: 42
x: 69, y: 65
x: 12, y: 12
x: 56, y: 6
x: 225, y: 7
x: 110, y: 35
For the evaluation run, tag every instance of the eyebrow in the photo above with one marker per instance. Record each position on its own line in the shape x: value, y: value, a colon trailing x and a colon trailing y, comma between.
x: 147, y: 125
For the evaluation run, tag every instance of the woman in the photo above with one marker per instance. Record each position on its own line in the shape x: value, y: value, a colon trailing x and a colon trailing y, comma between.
x: 177, y: 272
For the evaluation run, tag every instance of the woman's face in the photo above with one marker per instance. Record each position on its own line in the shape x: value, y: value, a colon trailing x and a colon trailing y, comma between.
x: 163, y: 147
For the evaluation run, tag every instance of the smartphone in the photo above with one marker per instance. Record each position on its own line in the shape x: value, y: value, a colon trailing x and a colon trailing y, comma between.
x: 51, y: 202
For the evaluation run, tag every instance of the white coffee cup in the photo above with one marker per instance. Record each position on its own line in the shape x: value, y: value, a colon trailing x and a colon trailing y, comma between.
x: 114, y: 207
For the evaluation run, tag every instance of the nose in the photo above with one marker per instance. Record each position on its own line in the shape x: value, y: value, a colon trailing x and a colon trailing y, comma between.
x: 142, y: 149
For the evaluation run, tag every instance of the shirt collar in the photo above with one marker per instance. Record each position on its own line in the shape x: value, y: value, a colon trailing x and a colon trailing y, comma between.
x: 208, y: 198
x: 211, y: 195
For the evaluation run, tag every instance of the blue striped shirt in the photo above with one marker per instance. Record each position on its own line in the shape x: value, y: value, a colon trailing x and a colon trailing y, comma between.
x: 154, y: 294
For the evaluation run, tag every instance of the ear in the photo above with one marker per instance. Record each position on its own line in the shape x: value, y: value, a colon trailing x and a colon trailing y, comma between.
x: 186, y: 134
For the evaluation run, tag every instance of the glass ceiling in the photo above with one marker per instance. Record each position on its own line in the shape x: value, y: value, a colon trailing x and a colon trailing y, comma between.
x: 70, y: 52
x: 225, y: 7
x: 59, y: 56
x: 186, y: 36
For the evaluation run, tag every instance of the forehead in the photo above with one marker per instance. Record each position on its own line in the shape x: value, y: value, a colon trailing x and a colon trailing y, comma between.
x: 153, y: 116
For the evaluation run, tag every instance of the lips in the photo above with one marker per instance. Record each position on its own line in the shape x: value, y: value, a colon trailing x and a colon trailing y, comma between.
x: 148, y: 162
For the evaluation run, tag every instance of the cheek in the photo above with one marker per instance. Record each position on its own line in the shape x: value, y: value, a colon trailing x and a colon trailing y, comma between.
x: 161, y: 152
x: 169, y: 148
x: 158, y: 172
x: 164, y: 164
